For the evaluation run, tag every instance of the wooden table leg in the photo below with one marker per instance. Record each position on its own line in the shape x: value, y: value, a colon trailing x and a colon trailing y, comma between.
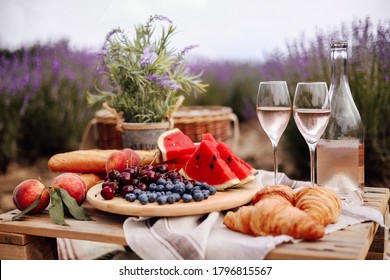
x: 379, y: 245
x: 15, y: 246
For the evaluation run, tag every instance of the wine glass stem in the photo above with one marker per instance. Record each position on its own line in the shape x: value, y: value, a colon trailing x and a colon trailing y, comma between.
x: 312, y: 149
x: 275, y: 150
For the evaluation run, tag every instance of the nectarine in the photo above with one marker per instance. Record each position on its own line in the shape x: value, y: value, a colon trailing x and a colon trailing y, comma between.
x: 122, y: 159
x: 73, y: 184
x: 27, y: 192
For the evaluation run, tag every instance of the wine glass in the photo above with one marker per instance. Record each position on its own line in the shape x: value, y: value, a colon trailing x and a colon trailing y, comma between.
x: 311, y: 108
x: 273, y: 110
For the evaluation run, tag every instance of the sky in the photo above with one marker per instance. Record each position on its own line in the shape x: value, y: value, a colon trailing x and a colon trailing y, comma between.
x: 223, y: 29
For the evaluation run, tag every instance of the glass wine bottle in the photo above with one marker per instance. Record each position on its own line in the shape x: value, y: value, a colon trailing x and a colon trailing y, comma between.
x: 340, y: 151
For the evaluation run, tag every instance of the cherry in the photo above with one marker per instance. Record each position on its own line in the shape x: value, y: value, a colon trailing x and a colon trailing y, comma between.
x: 133, y: 170
x: 173, y: 175
x: 147, y: 167
x: 126, y: 189
x: 114, y: 175
x: 107, y: 193
x: 162, y: 168
x: 108, y: 184
x: 142, y: 186
x: 125, y: 178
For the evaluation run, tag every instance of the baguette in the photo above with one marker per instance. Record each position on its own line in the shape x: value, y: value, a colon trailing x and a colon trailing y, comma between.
x: 80, y: 161
x: 90, y: 161
x: 91, y: 179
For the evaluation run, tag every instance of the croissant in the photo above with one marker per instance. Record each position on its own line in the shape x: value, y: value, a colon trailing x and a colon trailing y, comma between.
x: 276, y: 216
x: 239, y: 221
x: 278, y: 190
x: 321, y: 203
x: 272, y: 213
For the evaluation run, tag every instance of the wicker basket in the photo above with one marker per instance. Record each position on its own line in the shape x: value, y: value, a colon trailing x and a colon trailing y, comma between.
x: 217, y: 120
x: 108, y: 136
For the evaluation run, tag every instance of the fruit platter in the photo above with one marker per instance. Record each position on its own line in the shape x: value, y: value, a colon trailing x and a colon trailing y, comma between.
x: 220, y: 201
x: 179, y: 178
x: 183, y: 178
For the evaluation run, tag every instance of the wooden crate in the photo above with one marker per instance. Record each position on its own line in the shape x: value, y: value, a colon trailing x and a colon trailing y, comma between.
x: 15, y: 246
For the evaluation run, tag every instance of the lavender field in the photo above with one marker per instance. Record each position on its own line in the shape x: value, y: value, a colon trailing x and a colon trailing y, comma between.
x: 43, y: 106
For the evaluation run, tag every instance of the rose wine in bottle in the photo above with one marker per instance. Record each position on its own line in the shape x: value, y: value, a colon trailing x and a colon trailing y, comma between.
x: 340, y: 151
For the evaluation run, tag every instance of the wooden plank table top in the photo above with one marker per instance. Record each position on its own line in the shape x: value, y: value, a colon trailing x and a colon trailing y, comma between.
x: 352, y: 242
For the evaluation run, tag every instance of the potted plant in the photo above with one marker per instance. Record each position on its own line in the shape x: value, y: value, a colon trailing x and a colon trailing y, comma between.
x: 148, y: 78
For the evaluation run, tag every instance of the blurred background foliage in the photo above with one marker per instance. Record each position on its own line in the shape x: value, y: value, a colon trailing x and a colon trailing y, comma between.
x: 43, y: 107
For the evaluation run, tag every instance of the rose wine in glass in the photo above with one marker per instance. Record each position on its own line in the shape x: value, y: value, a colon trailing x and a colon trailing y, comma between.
x: 311, y: 108
x: 273, y: 110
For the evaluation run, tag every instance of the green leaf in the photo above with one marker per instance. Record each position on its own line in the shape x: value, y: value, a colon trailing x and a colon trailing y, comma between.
x: 56, y: 211
x: 75, y: 210
x: 30, y: 207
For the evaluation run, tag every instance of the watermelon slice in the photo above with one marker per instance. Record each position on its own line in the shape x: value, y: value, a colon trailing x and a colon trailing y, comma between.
x: 210, y: 137
x: 175, y: 166
x: 178, y: 163
x: 205, y: 165
x: 173, y: 144
x: 241, y: 171
x: 249, y: 167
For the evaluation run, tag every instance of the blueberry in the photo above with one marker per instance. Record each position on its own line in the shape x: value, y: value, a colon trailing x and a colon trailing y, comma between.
x: 204, y: 185
x: 143, y: 199
x: 187, y: 197
x: 137, y: 192
x: 170, y: 199
x: 130, y: 197
x: 152, y: 187
x: 176, y: 196
x: 205, y: 193
x: 162, y: 200
x: 160, y: 188
x: 188, y: 188
x: 212, y: 190
x: 169, y: 187
x: 161, y: 181
x: 152, y: 197
x: 194, y: 191
x: 179, y: 188
x: 198, y: 196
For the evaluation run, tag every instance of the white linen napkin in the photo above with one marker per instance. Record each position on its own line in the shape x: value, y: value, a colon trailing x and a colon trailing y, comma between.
x: 205, y: 236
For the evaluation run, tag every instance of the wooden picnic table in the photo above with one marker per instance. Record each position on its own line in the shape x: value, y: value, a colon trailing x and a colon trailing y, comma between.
x: 35, y: 236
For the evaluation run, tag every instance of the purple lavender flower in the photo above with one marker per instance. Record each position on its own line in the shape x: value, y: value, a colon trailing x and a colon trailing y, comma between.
x: 148, y: 57
x: 164, y: 80
x: 187, y: 49
x: 163, y: 18
x: 174, y: 86
x: 153, y: 78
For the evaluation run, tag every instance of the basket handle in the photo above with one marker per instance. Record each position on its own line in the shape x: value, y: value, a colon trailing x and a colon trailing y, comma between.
x: 88, y: 138
x: 236, y: 130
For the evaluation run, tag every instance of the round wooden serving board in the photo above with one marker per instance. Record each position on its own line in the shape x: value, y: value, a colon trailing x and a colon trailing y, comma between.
x: 222, y: 200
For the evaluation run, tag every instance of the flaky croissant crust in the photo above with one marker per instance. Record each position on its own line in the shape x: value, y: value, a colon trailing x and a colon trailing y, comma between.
x: 321, y: 203
x: 277, y: 210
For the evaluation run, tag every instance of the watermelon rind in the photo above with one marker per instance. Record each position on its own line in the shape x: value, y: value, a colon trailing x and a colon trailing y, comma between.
x: 173, y: 144
x: 220, y: 187
x: 243, y: 173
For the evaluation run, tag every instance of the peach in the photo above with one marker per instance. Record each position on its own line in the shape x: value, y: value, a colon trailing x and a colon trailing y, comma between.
x: 120, y: 160
x: 27, y: 192
x: 73, y: 184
